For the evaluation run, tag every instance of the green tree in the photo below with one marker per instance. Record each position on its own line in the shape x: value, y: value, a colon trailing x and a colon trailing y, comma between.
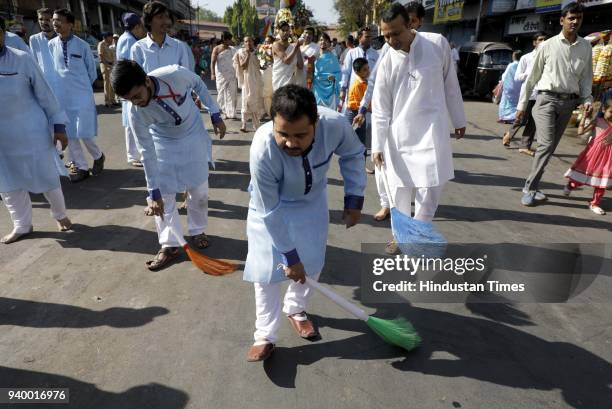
x: 204, y: 14
x: 242, y: 19
x: 354, y: 14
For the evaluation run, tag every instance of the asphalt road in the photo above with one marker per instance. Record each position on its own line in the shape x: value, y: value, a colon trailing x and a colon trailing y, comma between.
x: 80, y: 310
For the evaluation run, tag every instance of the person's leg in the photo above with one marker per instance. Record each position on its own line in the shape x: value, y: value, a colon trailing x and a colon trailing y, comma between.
x: 255, y: 119
x: 233, y: 97
x: 530, y: 128
x: 380, y: 186
x: 171, y: 219
x: 19, y: 205
x: 221, y: 94
x: 76, y: 155
x: 297, y: 296
x: 130, y: 146
x: 426, y: 202
x: 403, y: 199
x: 56, y: 201
x: 545, y: 117
x: 197, y: 209
x: 598, y: 194
x: 268, y: 311
x: 92, y: 148
x: 108, y: 89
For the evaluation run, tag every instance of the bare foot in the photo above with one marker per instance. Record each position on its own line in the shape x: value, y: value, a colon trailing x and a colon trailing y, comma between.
x: 64, y: 224
x: 382, y: 214
x: 14, y: 236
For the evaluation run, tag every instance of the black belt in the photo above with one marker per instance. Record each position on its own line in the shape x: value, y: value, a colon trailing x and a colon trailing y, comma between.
x: 559, y: 95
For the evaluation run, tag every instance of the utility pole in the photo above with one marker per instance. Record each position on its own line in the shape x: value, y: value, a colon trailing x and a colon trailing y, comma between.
x: 477, y: 31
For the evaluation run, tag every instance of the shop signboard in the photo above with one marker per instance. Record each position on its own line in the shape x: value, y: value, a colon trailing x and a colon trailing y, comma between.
x: 448, y: 10
x: 587, y: 3
x: 547, y: 6
x: 524, y: 24
x: 525, y: 4
x: 501, y: 6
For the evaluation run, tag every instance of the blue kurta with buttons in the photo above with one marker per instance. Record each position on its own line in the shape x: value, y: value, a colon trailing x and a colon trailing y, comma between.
x: 76, y: 72
x: 39, y: 44
x: 288, y: 215
x: 170, y: 133
x: 123, y: 50
x: 27, y: 154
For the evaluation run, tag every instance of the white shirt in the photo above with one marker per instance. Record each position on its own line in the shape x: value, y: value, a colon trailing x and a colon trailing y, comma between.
x: 151, y: 56
x: 409, y: 120
x: 523, y: 70
x: 561, y: 67
x: 348, y: 75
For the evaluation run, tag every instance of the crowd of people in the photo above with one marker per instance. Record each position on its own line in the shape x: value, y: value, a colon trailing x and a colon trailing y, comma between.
x: 406, y: 94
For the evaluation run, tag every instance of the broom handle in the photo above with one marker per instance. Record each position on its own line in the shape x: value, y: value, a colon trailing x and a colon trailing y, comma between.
x: 348, y: 306
x: 383, y: 175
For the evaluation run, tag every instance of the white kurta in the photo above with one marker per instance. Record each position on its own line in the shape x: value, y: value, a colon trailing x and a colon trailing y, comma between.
x: 252, y: 84
x: 226, y: 81
x: 151, y: 56
x: 29, y: 108
x: 309, y: 51
x: 76, y: 72
x: 123, y: 51
x: 412, y: 95
x: 283, y: 74
x: 288, y: 215
x: 172, y: 138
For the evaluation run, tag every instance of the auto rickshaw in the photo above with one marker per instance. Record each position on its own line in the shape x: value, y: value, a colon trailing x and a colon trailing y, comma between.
x: 481, y: 66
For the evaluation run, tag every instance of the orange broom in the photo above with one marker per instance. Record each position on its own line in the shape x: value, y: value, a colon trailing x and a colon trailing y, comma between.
x: 209, y: 265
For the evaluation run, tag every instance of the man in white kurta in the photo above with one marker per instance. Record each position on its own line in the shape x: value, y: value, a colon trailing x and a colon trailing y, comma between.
x: 416, y: 85
x: 310, y: 52
x: 287, y: 59
x: 174, y: 144
x: 251, y: 83
x: 363, y: 50
x: 76, y: 72
x: 30, y: 125
x: 288, y: 214
x: 134, y: 31
x: 224, y: 74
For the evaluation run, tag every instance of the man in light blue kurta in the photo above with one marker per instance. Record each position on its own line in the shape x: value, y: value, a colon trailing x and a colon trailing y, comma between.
x: 173, y: 143
x: 134, y: 31
x: 30, y: 124
x: 39, y: 44
x: 288, y: 216
x: 16, y: 42
x: 76, y: 72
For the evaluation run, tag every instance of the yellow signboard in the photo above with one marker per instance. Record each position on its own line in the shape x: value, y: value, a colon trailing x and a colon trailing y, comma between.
x: 543, y: 6
x: 448, y: 10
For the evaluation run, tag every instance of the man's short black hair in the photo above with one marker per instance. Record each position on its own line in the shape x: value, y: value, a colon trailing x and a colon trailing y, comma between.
x: 43, y: 11
x: 573, y: 7
x: 126, y: 75
x: 67, y: 14
x: 540, y: 34
x: 359, y: 63
x: 151, y: 10
x: 311, y: 29
x: 292, y: 102
x: 350, y: 40
x: 325, y: 36
x: 226, y: 36
x: 416, y: 7
x: 283, y: 24
x: 363, y: 30
x: 393, y: 12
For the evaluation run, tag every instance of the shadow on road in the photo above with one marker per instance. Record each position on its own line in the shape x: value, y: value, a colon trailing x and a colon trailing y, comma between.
x: 85, y: 395
x: 35, y: 314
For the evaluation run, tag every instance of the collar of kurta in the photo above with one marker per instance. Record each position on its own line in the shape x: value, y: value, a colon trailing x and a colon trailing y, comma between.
x: 70, y: 37
x: 150, y: 41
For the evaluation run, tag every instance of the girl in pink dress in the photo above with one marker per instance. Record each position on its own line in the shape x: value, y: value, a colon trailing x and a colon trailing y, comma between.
x: 593, y: 167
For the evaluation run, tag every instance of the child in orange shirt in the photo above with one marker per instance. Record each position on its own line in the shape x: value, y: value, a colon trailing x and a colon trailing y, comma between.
x: 356, y: 93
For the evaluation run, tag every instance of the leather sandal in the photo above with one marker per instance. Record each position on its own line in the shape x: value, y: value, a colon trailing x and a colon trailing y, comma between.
x: 260, y: 351
x: 302, y: 325
x: 163, y: 257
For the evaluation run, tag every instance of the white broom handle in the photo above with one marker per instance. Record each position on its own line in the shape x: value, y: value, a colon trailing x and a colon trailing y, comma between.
x: 356, y: 311
x: 383, y: 175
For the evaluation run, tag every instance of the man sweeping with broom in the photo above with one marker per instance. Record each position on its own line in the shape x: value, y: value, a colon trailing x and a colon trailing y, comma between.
x: 287, y: 223
x: 173, y: 143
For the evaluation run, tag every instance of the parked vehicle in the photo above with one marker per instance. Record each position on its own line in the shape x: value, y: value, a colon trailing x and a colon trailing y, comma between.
x: 481, y: 66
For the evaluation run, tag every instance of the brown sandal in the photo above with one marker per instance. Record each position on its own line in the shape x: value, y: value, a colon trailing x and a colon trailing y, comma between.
x: 163, y: 257
x: 201, y: 240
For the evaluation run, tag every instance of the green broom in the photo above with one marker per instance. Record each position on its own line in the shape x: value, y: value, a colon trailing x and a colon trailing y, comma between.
x: 399, y: 331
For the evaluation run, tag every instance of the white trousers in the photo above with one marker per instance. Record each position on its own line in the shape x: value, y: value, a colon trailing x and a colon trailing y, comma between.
x: 426, y: 201
x: 380, y: 186
x: 268, y: 306
x: 245, y: 117
x: 19, y: 206
x: 197, y: 216
x: 130, y: 146
x: 76, y: 154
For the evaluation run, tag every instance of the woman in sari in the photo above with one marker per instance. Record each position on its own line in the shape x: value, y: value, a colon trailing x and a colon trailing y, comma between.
x: 511, y: 90
x: 326, y: 84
